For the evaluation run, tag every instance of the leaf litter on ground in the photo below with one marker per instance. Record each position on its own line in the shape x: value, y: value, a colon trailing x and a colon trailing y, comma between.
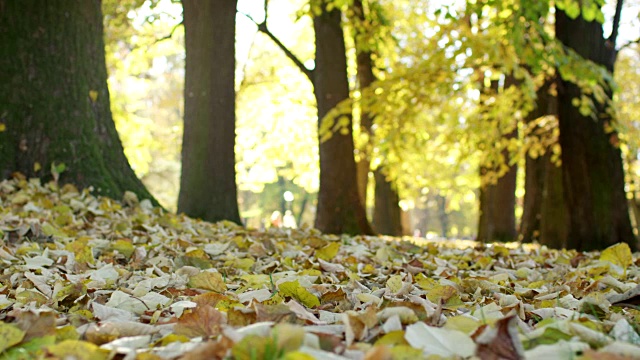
x: 87, y: 277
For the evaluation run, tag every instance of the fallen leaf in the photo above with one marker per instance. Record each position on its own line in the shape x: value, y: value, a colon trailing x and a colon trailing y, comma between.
x: 294, y: 290
x: 439, y: 341
x: 9, y: 335
x: 202, y: 321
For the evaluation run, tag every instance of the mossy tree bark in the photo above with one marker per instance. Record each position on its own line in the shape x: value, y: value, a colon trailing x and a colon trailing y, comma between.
x: 54, y: 99
x: 208, y: 183
x: 593, y: 176
x: 339, y: 207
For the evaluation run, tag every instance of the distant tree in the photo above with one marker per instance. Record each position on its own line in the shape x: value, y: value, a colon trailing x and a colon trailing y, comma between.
x: 208, y: 185
x: 387, y: 212
x: 365, y: 77
x: 339, y: 208
x: 591, y: 159
x: 54, y: 100
x: 387, y: 215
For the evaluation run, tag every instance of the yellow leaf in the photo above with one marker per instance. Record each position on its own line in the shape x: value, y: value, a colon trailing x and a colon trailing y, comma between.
x: 82, y: 250
x: 289, y: 337
x: 208, y: 280
x: 406, y: 352
x: 295, y: 290
x: 442, y: 293
x: 297, y: 355
x: 426, y: 283
x: 197, y: 253
x: 392, y: 338
x: 328, y: 252
x: 124, y: 247
x: 395, y: 283
x: 171, y: 338
x: 618, y: 254
x: 9, y: 336
x: 79, y: 350
x: 255, y: 347
x: 466, y: 324
x: 36, y: 165
x: 93, y: 95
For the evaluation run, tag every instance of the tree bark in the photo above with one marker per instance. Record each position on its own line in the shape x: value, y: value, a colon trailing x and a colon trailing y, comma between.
x: 497, y: 209
x: 339, y: 207
x: 554, y: 222
x: 54, y: 99
x: 387, y: 215
x: 535, y: 170
x: 593, y: 176
x: 544, y: 216
x: 208, y: 185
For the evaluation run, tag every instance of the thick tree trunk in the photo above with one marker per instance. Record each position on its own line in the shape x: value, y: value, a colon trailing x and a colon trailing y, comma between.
x: 544, y: 216
x: 535, y: 170
x: 54, y: 99
x: 592, y: 165
x: 387, y: 215
x: 339, y: 207
x: 554, y: 222
x: 208, y: 185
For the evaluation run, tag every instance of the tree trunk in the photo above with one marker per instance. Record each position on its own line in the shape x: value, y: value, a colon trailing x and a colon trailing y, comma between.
x: 497, y: 220
x: 443, y: 216
x: 544, y: 210
x: 208, y: 185
x: 497, y: 209
x: 387, y: 219
x: 535, y: 170
x: 339, y: 207
x: 591, y: 162
x: 554, y: 222
x: 365, y: 78
x: 54, y: 99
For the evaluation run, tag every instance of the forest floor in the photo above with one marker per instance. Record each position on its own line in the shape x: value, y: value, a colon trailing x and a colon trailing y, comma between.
x: 87, y: 277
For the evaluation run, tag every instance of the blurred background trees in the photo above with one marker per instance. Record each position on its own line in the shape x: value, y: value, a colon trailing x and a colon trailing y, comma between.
x: 437, y: 107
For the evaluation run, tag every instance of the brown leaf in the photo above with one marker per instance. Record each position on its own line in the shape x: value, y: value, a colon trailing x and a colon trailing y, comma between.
x: 275, y: 313
x: 201, y: 321
x: 210, y: 298
x: 210, y: 350
x: 34, y: 324
x: 379, y: 352
x: 500, y: 342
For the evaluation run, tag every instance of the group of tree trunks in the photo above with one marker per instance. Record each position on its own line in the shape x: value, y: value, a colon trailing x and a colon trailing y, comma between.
x: 54, y: 103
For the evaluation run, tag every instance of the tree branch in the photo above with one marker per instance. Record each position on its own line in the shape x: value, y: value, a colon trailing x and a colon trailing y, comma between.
x: 629, y: 44
x: 170, y: 35
x: 616, y: 24
x: 262, y: 27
